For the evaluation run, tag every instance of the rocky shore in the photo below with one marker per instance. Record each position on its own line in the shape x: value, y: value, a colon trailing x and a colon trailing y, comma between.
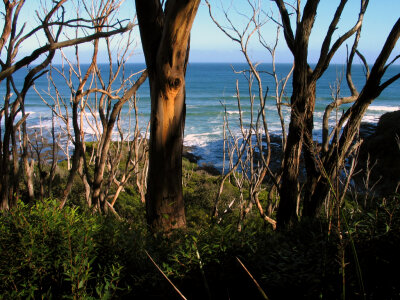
x: 379, y: 155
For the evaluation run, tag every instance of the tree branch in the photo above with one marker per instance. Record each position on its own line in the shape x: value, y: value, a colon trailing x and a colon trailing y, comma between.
x: 287, y: 28
x: 36, y: 53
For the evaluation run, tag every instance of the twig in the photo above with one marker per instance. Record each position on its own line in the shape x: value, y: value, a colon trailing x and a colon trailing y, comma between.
x: 254, y: 280
x: 159, y: 269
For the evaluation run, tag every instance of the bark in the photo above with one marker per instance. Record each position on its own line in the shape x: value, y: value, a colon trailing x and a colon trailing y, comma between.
x: 301, y: 104
x: 303, y: 100
x: 165, y: 39
x: 310, y: 150
x: 335, y: 158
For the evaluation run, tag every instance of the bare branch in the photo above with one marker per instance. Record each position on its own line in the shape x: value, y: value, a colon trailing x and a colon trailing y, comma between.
x: 36, y: 53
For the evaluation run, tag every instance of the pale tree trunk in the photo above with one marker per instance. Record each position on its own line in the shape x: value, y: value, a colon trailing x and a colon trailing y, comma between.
x: 165, y: 37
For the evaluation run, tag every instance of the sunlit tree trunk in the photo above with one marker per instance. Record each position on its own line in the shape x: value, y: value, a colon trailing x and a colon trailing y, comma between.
x: 165, y: 38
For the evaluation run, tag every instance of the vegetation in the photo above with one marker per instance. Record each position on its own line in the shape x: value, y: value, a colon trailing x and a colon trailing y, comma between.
x: 73, y: 253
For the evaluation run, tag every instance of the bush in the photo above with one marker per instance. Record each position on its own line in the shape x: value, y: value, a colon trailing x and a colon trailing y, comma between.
x: 50, y: 252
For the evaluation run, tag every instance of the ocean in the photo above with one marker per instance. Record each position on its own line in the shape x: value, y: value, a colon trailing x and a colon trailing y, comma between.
x: 209, y: 86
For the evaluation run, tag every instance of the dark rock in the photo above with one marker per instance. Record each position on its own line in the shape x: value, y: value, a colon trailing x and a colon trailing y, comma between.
x: 381, y: 150
x: 187, y: 153
x: 367, y: 129
x: 210, y: 169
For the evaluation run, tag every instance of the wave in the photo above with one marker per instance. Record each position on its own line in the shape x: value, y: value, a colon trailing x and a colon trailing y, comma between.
x: 371, y: 118
x: 233, y: 112
x: 202, y: 139
x: 381, y: 108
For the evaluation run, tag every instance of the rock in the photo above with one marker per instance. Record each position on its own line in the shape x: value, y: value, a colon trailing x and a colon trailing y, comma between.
x: 367, y: 129
x: 382, y: 149
x: 187, y: 153
x: 209, y: 169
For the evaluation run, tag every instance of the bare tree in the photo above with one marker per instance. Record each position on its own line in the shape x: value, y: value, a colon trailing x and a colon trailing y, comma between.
x: 322, y: 164
x: 252, y: 155
x: 165, y: 33
x: 303, y: 98
x: 96, y: 102
x: 52, y: 23
x: 341, y: 144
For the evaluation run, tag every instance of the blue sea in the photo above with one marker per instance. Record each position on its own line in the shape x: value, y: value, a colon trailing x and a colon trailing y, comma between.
x: 209, y: 86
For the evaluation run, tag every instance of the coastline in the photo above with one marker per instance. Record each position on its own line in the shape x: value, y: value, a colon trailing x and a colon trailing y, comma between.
x: 209, y: 154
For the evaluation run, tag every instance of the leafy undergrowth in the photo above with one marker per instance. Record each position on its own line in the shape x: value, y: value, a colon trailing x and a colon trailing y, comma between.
x: 71, y: 253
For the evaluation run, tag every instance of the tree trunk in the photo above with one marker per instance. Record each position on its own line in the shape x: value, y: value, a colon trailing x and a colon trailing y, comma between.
x: 302, y: 104
x: 338, y: 152
x: 289, y: 191
x: 165, y: 37
x: 164, y: 199
x: 310, y: 152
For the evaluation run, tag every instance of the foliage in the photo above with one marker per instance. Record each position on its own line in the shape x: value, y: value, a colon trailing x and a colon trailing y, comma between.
x: 47, y: 251
x: 72, y: 253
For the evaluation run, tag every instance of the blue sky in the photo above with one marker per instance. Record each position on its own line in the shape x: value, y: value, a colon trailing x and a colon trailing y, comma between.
x: 209, y: 44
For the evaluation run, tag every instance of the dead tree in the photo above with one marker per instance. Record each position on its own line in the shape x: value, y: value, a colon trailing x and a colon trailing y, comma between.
x: 303, y: 99
x: 165, y: 33
x: 101, y: 20
x: 342, y: 141
x: 52, y: 22
x: 323, y: 167
x: 252, y: 155
x: 96, y: 102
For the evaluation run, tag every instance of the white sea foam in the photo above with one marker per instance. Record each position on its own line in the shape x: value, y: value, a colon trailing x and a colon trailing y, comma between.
x: 233, y: 112
x: 28, y: 112
x: 202, y: 139
x: 382, y: 108
x: 371, y: 118
x: 44, y: 124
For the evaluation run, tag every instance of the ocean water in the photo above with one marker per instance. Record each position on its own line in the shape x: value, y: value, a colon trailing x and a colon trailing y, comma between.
x: 208, y: 88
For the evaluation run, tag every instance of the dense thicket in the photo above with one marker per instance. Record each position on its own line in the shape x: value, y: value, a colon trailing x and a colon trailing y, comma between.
x: 72, y: 253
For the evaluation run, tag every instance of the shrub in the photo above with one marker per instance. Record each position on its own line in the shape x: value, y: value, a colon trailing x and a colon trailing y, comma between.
x: 50, y: 252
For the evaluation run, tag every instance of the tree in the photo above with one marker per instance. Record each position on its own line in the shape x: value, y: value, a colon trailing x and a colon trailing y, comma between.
x: 251, y: 169
x: 100, y: 100
x: 165, y: 34
x: 303, y: 99
x: 52, y: 22
x: 322, y: 163
x: 322, y: 167
x: 333, y: 159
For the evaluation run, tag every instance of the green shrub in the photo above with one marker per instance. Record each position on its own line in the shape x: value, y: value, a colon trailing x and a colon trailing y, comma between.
x: 46, y: 251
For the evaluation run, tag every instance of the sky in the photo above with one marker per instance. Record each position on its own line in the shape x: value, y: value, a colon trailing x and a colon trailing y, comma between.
x: 209, y: 44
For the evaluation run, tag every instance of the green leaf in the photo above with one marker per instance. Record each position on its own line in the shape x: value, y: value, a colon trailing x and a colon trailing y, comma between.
x: 81, y: 283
